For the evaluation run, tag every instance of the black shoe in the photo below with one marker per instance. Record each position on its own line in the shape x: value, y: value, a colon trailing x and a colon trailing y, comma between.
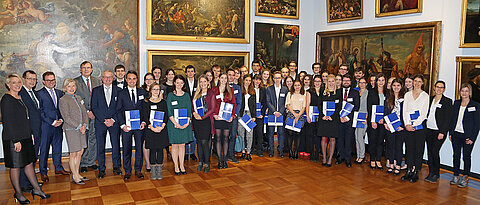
x: 291, y: 155
x: 249, y: 157
x: 243, y: 156
x: 183, y: 172
x: 260, y: 153
x: 348, y: 164
x: 295, y: 155
x: 224, y: 165
x: 177, y: 173
x: 26, y: 201
x: 148, y: 170
x: 127, y: 175
x: 117, y: 171
x: 434, y: 179
x: 428, y: 177
x: 324, y: 164
x: 186, y: 157
x: 339, y: 161
x: 101, y: 174
x: 282, y: 155
x: 270, y: 154
x: 83, y: 169
x: 414, y: 177
x: 193, y: 157
x: 328, y: 165
x: 407, y: 175
x: 232, y: 159
x: 41, y: 195
x: 94, y: 167
x: 207, y: 168
x: 200, y: 166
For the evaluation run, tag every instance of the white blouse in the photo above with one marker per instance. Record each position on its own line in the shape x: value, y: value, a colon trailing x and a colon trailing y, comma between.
x: 411, y: 105
x: 459, y: 125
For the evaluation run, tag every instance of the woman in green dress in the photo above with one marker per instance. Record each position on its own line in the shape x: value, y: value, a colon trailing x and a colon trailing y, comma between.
x: 178, y: 134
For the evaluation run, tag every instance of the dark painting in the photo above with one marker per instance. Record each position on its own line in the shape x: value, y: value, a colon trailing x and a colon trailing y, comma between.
x: 470, y: 33
x: 344, y: 10
x: 279, y: 8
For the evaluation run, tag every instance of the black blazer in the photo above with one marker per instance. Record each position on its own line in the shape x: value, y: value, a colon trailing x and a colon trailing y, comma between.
x: 272, y: 100
x: 124, y: 103
x: 388, y: 111
x: 187, y: 86
x: 115, y: 83
x: 442, y: 113
x: 33, y: 111
x: 99, y: 105
x: 374, y: 99
x: 263, y: 100
x: 251, y: 106
x: 471, y: 119
x: 353, y: 98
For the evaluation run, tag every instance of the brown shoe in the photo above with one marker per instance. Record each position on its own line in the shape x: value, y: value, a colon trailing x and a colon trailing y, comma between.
x: 63, y: 172
x: 44, y: 178
x: 139, y: 175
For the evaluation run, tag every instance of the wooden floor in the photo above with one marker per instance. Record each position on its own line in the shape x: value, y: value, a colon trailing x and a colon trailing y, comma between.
x: 263, y: 180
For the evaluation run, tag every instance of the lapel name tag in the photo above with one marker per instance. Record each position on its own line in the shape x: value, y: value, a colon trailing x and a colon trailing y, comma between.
x: 174, y: 103
x: 471, y: 109
x: 141, y: 97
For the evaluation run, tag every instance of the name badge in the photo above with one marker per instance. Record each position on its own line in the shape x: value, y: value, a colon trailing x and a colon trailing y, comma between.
x: 337, y: 101
x: 204, y: 94
x: 349, y: 99
x: 218, y: 97
x: 83, y: 103
x: 471, y: 109
x: 439, y: 105
x: 301, y: 99
x: 115, y: 98
x: 153, y: 107
x: 194, y: 89
x: 235, y: 92
x: 141, y: 97
x: 174, y: 103
x: 282, y: 95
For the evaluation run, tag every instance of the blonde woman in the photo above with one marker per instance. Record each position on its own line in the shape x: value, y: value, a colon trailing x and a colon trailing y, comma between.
x: 328, y: 125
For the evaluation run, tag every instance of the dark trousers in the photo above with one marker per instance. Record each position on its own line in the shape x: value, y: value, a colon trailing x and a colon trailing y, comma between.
x: 24, y: 182
x: 345, y: 141
x: 203, y: 150
x: 280, y: 135
x: 433, y: 150
x: 101, y: 136
x: 232, y: 138
x: 389, y: 146
x: 375, y: 142
x: 415, y: 146
x: 50, y: 136
x: 127, y: 150
x: 156, y: 156
x: 258, y: 135
x: 308, y: 135
x: 459, y: 143
x: 399, y: 139
x: 293, y: 138
x: 190, y: 147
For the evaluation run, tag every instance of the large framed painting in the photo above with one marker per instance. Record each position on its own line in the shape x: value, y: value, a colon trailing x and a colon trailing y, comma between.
x: 397, y: 7
x: 396, y: 51
x: 276, y: 44
x: 464, y: 66
x: 201, y: 60
x: 58, y: 35
x: 219, y: 21
x: 279, y: 8
x: 344, y: 10
x: 470, y: 27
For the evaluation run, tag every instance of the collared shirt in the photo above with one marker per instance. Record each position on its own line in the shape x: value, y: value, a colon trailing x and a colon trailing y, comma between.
x: 89, y: 83
x: 134, y: 93
x: 345, y: 90
x: 431, y: 121
x: 459, y: 124
x: 54, y: 93
x: 257, y: 95
x: 191, y: 85
x: 120, y: 83
x: 34, y: 98
x: 247, y: 96
x: 108, y: 93
x: 277, y: 93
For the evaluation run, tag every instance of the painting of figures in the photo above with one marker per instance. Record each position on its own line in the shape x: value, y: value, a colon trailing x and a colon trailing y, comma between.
x: 470, y: 29
x: 344, y: 10
x: 397, y: 51
x: 397, y: 7
x: 58, y: 35
x: 277, y: 8
x: 225, y: 21
x: 276, y: 44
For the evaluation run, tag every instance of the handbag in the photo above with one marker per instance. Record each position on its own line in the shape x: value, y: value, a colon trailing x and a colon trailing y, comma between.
x: 239, y: 146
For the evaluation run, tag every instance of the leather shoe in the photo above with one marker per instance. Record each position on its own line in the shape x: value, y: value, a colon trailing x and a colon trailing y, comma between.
x: 44, y: 178
x: 101, y: 174
x: 339, y: 161
x: 83, y: 169
x: 139, y: 175
x: 270, y: 154
x: 193, y: 157
x: 348, y: 164
x: 281, y: 155
x: 94, y: 167
x: 117, y: 171
x: 127, y: 176
x: 62, y: 172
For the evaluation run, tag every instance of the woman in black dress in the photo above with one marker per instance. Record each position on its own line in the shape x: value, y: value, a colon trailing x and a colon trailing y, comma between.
x: 202, y: 126
x: 376, y: 131
x: 312, y: 143
x: 328, y: 125
x: 148, y: 80
x: 18, y: 139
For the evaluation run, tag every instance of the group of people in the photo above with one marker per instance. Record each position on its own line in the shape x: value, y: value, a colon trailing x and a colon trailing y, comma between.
x: 88, y: 108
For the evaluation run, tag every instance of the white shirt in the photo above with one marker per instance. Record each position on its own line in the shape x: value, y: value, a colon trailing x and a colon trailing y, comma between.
x: 54, y: 93
x: 459, y: 126
x: 431, y: 121
x: 346, y: 91
x: 277, y: 93
x: 257, y: 95
x: 35, y: 97
x: 120, y: 83
x: 247, y: 96
x: 134, y: 93
x: 89, y: 83
x: 190, y: 85
x: 411, y: 105
x: 108, y: 94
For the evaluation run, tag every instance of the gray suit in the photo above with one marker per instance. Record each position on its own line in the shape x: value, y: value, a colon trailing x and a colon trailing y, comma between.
x: 90, y: 153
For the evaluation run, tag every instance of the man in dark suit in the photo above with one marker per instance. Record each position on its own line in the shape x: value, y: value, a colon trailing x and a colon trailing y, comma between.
x: 131, y: 98
x: 346, y: 131
x: 317, y: 70
x: 29, y: 97
x: 276, y: 95
x: 85, y: 83
x: 51, y: 129
x: 191, y: 86
x: 292, y: 67
x: 120, y: 77
x: 104, y: 107
x: 256, y: 68
x: 237, y: 92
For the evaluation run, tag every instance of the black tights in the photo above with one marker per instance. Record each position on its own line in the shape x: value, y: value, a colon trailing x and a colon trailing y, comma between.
x: 219, y: 135
x: 203, y: 150
x: 15, y: 179
x: 156, y: 156
x: 293, y: 138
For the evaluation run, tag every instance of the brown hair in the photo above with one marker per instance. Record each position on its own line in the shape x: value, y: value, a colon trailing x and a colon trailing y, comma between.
x: 227, y: 92
x: 391, y: 94
x: 292, y: 89
x: 250, y: 90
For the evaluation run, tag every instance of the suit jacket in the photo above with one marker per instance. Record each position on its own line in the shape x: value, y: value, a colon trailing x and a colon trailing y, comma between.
x: 471, y: 119
x: 353, y: 98
x: 263, y: 100
x: 34, y: 113
x: 99, y: 106
x: 272, y: 100
x: 73, y: 112
x: 218, y: 101
x: 82, y: 89
x: 237, y: 91
x: 115, y: 83
x: 374, y: 99
x: 48, y: 111
x: 187, y: 86
x: 442, y: 114
x: 251, y: 106
x: 124, y: 103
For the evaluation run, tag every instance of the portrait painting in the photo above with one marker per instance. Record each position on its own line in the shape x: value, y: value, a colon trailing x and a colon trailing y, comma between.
x: 58, y: 35
x: 397, y: 7
x: 464, y: 66
x: 470, y: 27
x: 220, y: 21
x: 201, y: 60
x: 396, y: 51
x: 344, y: 10
x: 278, y: 8
x: 276, y: 44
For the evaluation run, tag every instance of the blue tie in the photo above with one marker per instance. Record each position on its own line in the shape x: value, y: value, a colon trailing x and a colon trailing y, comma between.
x: 53, y: 98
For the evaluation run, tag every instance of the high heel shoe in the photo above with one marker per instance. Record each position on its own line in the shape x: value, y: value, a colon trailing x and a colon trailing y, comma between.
x: 41, y: 195
x: 374, y: 166
x: 81, y: 182
x: 26, y: 201
x: 243, y: 156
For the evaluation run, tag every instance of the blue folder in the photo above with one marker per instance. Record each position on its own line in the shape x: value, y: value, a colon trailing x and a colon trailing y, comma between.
x: 181, y: 116
x: 297, y: 127
x: 199, y: 107
x: 377, y: 113
x: 393, y: 122
x: 133, y: 119
x: 156, y: 118
x: 226, y: 110
x: 328, y: 108
x: 247, y: 123
x: 346, y: 110
x: 275, y: 121
x: 358, y: 119
x: 414, y: 116
x: 258, y: 109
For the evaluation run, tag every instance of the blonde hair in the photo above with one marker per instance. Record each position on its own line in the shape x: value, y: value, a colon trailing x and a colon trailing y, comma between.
x: 66, y: 82
x: 199, y: 90
x: 160, y: 96
x: 325, y: 91
x: 9, y: 77
x: 466, y: 85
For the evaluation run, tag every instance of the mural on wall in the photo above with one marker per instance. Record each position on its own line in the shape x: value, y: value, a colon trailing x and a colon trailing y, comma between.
x: 344, y: 10
x: 201, y: 60
x: 397, y: 7
x: 58, y: 35
x: 464, y: 66
x: 470, y: 29
x: 276, y: 44
x: 278, y: 8
x: 226, y: 21
x: 396, y: 51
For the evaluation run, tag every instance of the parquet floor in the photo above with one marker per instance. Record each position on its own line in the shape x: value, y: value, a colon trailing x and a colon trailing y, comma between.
x: 263, y: 180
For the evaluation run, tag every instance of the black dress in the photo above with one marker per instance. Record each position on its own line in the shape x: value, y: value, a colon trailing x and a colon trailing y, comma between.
x: 203, y: 128
x: 155, y: 140
x: 328, y: 128
x: 16, y: 128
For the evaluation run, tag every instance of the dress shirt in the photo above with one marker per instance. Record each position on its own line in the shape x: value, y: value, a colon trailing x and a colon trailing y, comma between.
x: 247, y: 96
x: 54, y: 99
x: 190, y: 85
x: 134, y: 93
x: 108, y: 93
x: 431, y: 121
x: 411, y: 105
x: 459, y: 126
x: 32, y: 95
x: 120, y: 83
x: 88, y: 83
x: 277, y: 93
x: 257, y: 95
x: 296, y: 101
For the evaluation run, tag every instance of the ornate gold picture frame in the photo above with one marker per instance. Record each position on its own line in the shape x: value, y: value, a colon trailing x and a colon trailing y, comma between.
x: 393, y: 8
x: 279, y: 9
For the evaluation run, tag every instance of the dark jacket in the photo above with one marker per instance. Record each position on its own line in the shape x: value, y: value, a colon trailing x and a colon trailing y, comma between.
x: 251, y: 106
x: 471, y: 119
x: 373, y: 99
x: 34, y: 114
x: 353, y: 98
x: 49, y: 112
x: 124, y: 103
x: 442, y: 113
x: 99, y: 106
x: 272, y: 100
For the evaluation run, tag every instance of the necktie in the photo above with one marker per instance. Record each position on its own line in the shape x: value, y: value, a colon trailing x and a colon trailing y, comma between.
x: 133, y: 98
x: 33, y: 98
x: 53, y: 98
x: 88, y: 86
x: 109, y: 96
x: 345, y: 95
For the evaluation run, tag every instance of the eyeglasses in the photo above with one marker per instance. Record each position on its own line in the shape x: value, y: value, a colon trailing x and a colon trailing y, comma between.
x: 439, y: 87
x: 50, y: 80
x: 31, y: 79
